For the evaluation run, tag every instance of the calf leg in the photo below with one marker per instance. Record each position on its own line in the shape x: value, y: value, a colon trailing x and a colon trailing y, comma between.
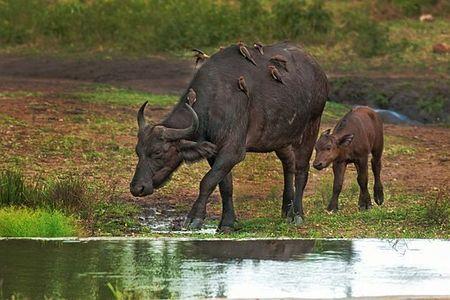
x: 226, y: 193
x: 221, y: 167
x: 302, y: 156
x: 286, y: 155
x: 378, y: 186
x: 338, y: 171
x: 364, y: 196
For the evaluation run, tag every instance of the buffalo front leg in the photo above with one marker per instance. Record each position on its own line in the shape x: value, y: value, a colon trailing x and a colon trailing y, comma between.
x: 364, y: 196
x: 378, y: 193
x: 221, y: 167
x: 303, y: 153
x: 338, y: 180
x: 226, y: 193
x: 286, y: 155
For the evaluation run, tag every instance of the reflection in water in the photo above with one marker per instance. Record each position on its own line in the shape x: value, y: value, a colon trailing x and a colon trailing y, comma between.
x: 192, y: 269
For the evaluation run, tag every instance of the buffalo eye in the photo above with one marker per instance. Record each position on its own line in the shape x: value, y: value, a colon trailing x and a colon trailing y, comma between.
x: 328, y: 148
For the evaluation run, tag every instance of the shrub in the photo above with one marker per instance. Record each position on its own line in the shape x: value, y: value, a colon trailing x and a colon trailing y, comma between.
x: 369, y: 37
x: 15, y: 191
x: 68, y: 193
x: 12, y: 188
x: 296, y: 20
x: 152, y: 25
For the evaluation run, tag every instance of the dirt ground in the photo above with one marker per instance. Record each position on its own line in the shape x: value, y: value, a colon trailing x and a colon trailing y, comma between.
x: 424, y: 171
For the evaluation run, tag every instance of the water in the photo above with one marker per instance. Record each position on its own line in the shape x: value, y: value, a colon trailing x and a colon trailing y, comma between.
x: 146, y: 268
x: 393, y: 117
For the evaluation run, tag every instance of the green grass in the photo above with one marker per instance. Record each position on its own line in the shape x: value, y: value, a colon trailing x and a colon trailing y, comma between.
x: 402, y: 217
x: 395, y: 146
x: 18, y: 94
x: 26, y: 222
x: 334, y: 111
x: 344, y: 35
x: 116, y: 218
x: 118, y: 96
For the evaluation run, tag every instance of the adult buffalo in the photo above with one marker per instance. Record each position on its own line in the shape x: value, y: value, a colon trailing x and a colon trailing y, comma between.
x: 270, y: 113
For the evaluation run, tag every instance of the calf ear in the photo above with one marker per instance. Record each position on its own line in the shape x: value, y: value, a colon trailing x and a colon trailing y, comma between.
x: 193, y: 151
x: 345, y: 140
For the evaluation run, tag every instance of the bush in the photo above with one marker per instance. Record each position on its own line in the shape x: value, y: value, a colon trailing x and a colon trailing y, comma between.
x: 68, y: 194
x: 152, y: 25
x: 14, y: 190
x: 369, y: 38
x: 296, y: 20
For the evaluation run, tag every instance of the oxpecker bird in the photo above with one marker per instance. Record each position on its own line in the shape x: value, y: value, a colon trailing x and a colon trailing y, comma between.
x: 199, y: 56
x: 243, y: 86
x: 280, y: 60
x: 191, y: 96
x: 245, y: 53
x: 275, y: 74
x: 259, y: 47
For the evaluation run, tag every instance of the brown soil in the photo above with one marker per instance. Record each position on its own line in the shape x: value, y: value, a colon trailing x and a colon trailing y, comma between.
x: 152, y: 74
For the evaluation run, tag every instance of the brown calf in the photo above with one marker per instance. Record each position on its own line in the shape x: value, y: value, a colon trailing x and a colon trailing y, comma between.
x: 356, y: 135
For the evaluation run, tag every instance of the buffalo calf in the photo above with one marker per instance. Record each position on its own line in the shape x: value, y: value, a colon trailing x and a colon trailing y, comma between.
x: 356, y: 135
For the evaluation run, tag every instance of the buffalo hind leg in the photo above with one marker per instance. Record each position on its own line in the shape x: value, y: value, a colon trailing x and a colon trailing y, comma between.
x: 364, y: 196
x: 286, y: 155
x: 378, y: 194
x: 303, y: 153
x: 223, y: 163
x: 226, y: 193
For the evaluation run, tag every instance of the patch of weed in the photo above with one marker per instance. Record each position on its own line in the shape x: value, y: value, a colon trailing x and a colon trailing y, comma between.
x: 118, y: 96
x: 26, y: 222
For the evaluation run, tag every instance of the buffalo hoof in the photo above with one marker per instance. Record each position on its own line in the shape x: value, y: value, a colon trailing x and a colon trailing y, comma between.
x: 365, y: 207
x: 297, y: 220
x: 196, y: 223
x: 225, y: 229
x: 192, y: 224
x: 379, y: 199
x: 286, y: 211
x: 186, y: 223
x: 332, y: 209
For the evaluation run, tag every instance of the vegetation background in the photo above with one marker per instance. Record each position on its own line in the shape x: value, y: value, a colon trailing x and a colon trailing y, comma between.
x: 56, y: 180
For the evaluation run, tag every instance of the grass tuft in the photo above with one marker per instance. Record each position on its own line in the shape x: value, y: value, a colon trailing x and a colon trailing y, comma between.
x: 26, y: 222
x: 118, y: 96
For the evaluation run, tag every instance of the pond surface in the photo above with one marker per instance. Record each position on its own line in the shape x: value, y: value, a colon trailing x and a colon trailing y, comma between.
x: 146, y: 268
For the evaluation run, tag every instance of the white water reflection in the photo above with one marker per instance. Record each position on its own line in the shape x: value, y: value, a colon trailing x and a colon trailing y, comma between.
x: 235, y: 269
x: 375, y: 269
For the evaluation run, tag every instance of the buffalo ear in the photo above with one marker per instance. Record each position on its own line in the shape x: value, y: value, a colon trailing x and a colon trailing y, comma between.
x: 193, y: 151
x: 346, y: 140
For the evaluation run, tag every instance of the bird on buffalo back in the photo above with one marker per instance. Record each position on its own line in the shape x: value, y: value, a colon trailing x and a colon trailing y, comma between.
x: 245, y: 53
x: 275, y: 74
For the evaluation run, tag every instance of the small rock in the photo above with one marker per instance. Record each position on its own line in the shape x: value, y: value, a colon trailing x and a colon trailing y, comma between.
x: 426, y: 18
x: 441, y: 48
